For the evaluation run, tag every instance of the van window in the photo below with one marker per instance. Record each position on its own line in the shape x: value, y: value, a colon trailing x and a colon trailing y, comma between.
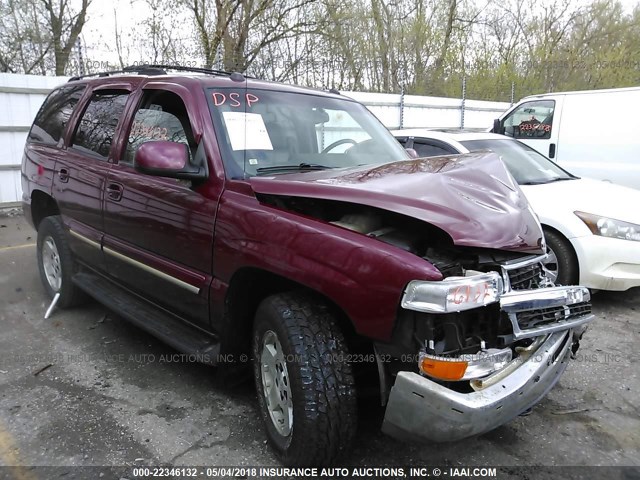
x: 162, y: 115
x: 97, y: 127
x: 531, y: 120
x: 54, y: 115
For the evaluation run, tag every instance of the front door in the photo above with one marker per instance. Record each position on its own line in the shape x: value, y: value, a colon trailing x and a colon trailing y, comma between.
x: 159, y: 231
x: 535, y: 123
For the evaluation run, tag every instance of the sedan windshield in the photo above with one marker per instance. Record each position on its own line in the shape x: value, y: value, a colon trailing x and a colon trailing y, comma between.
x: 267, y: 132
x: 526, y: 165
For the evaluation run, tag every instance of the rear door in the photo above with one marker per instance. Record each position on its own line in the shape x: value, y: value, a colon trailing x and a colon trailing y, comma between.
x: 45, y: 142
x: 535, y: 122
x: 80, y: 175
x: 159, y: 231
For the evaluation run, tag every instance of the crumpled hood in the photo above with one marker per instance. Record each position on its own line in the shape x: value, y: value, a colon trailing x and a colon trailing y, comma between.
x: 472, y: 197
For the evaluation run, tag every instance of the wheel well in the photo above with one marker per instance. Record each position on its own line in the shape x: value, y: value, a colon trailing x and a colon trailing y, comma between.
x: 248, y: 287
x: 42, y: 206
x: 546, y: 228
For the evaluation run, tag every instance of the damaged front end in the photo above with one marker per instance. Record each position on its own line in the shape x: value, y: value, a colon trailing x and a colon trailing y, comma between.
x: 479, y: 347
x: 489, y: 336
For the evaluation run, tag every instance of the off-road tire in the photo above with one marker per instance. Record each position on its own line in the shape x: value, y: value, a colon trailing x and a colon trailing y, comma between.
x: 321, y: 379
x: 70, y: 295
x: 566, y: 258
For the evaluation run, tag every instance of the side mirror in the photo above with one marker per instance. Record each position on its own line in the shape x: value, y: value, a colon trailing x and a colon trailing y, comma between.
x: 497, y: 127
x: 412, y: 153
x: 166, y: 159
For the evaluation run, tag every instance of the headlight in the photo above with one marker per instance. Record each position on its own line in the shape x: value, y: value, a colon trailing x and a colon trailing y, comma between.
x: 609, y: 227
x: 453, y: 294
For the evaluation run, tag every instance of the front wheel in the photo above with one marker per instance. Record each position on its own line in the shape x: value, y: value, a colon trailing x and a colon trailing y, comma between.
x: 561, y: 263
x: 305, y: 384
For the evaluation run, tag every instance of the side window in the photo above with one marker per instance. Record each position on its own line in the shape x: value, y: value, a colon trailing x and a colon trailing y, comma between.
x: 54, y: 115
x: 531, y: 120
x: 97, y: 127
x: 430, y: 150
x: 162, y: 115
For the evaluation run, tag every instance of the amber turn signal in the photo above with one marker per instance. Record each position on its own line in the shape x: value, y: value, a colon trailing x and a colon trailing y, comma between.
x: 442, y: 369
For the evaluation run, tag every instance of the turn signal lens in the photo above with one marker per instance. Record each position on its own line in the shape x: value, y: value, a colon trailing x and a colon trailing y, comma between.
x: 442, y: 368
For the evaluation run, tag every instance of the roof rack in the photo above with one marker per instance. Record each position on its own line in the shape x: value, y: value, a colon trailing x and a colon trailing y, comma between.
x: 156, y: 69
x: 141, y: 70
x: 181, y: 68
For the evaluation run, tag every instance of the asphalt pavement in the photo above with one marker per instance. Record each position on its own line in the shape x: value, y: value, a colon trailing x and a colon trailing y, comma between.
x: 85, y: 388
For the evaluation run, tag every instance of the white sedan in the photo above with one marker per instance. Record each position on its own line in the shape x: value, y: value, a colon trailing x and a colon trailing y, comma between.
x: 592, y: 228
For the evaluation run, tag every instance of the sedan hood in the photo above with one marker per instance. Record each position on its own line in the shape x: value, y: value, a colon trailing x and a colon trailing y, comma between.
x: 472, y: 197
x: 585, y: 195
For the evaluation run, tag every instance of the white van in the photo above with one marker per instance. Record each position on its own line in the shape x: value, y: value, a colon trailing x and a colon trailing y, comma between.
x: 589, y: 133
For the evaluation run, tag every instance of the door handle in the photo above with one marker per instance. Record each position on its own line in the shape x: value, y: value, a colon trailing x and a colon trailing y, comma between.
x: 114, y: 191
x: 552, y: 150
x: 63, y: 175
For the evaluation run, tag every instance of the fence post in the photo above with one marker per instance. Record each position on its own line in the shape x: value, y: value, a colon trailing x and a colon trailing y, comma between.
x: 402, y: 107
x: 464, y: 97
x: 80, y: 59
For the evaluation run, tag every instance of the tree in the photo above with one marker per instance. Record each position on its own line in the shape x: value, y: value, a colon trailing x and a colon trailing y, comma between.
x: 65, y: 27
x: 39, y: 35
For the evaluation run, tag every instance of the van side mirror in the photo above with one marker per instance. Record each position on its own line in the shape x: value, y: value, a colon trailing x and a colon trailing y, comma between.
x: 166, y: 159
x: 497, y: 127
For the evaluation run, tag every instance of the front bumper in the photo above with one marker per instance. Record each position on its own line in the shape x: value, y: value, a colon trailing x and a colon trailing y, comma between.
x: 423, y: 409
x: 608, y: 263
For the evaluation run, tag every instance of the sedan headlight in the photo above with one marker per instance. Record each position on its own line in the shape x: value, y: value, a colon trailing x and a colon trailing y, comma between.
x: 609, y: 227
x: 453, y: 294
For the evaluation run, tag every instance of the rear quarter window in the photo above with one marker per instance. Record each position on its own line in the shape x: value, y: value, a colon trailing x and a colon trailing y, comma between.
x: 53, y: 117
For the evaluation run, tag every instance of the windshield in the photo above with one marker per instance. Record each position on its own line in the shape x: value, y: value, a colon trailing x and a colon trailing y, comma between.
x: 271, y: 132
x: 526, y: 165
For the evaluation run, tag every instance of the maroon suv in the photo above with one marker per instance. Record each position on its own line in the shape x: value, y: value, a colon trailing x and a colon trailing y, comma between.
x: 281, y: 228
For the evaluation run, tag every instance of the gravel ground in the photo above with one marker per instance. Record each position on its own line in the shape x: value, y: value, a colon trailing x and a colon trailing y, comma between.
x: 86, y: 388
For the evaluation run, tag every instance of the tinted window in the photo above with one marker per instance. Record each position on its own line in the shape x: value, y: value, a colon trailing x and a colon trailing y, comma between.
x: 97, y: 127
x: 161, y: 116
x: 54, y: 115
x: 427, y: 150
x: 531, y: 120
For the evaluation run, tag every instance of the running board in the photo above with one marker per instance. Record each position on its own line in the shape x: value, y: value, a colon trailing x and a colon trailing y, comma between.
x: 158, y: 322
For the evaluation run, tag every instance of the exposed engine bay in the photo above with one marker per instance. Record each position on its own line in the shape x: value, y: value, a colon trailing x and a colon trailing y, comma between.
x: 485, y: 338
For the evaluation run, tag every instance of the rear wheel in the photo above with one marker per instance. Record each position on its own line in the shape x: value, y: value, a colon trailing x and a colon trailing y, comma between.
x: 56, y: 263
x: 561, y: 262
x: 305, y: 385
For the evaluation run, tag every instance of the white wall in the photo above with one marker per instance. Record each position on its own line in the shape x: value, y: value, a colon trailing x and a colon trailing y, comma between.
x: 20, y: 99
x: 22, y: 95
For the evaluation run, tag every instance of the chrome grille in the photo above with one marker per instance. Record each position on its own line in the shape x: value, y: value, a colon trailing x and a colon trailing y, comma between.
x: 525, y: 274
x: 526, y: 278
x: 536, y: 318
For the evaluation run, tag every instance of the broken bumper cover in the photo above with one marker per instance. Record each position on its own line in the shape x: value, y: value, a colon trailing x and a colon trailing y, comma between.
x: 419, y: 408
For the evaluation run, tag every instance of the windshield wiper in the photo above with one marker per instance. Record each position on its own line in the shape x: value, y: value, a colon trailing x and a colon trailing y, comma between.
x: 543, y: 182
x: 301, y: 167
